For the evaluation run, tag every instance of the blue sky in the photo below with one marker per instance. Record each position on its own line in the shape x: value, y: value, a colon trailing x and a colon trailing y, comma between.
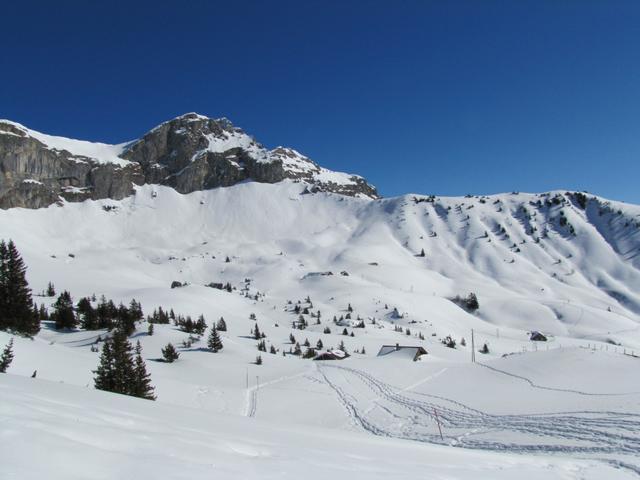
x: 429, y: 97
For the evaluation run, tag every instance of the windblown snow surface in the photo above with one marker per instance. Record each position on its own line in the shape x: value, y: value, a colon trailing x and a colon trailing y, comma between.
x: 565, y: 408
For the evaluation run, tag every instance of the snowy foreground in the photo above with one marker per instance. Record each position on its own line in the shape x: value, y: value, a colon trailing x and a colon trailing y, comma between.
x: 565, y: 408
x: 59, y: 431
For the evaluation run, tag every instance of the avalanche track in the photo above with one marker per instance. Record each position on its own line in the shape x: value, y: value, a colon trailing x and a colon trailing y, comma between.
x: 394, y: 412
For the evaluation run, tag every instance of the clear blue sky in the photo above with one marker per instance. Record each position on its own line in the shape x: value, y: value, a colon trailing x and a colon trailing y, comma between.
x: 417, y: 96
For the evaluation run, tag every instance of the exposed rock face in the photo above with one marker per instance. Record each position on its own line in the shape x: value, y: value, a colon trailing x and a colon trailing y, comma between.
x: 34, y: 175
x: 189, y: 153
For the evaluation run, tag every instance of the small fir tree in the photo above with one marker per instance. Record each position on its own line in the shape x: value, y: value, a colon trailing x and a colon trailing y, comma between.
x: 7, y: 357
x: 170, y: 354
x: 142, y: 387
x: 221, y: 326
x: 63, y: 314
x: 214, y: 342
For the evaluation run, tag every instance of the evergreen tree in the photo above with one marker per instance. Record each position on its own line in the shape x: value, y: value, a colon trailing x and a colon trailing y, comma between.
x: 259, y: 360
x: 221, y: 326
x: 256, y: 332
x: 126, y: 319
x: 214, y: 342
x: 142, y: 387
x: 51, y: 291
x: 88, y: 315
x: 135, y: 311
x: 105, y: 373
x: 7, y: 357
x: 43, y: 314
x: 200, y: 326
x: 272, y: 350
x: 150, y: 329
x: 63, y: 314
x: 297, y: 350
x: 319, y: 345
x: 16, y: 305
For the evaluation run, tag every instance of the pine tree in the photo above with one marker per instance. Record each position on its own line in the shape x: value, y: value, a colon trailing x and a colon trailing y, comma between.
x: 214, y: 342
x: 319, y: 345
x: 63, y: 312
x: 142, y: 387
x: 126, y: 319
x: 105, y: 373
x: 259, y: 360
x: 272, y: 350
x: 256, y: 332
x: 7, y: 357
x: 51, y: 291
x: 135, y: 311
x: 88, y: 315
x: 150, y: 329
x: 16, y: 305
x: 221, y: 326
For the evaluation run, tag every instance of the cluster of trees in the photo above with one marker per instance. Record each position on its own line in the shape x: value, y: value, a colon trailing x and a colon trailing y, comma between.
x: 189, y: 326
x: 160, y: 316
x: 122, y: 369
x: 470, y: 303
x: 18, y: 313
x: 105, y: 315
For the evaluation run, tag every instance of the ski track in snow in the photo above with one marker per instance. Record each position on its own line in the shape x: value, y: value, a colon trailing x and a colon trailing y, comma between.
x: 554, y: 389
x: 585, y: 432
x: 251, y: 404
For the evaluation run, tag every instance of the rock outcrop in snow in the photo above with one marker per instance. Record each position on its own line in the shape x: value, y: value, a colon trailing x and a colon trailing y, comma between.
x: 188, y: 153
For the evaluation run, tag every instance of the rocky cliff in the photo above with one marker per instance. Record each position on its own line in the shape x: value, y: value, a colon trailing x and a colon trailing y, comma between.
x: 188, y: 153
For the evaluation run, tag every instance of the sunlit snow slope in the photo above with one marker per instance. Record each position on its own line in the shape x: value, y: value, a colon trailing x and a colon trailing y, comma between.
x: 559, y: 263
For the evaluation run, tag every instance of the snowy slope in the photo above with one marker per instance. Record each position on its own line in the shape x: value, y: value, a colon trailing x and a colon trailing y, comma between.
x: 76, y: 433
x: 577, y: 281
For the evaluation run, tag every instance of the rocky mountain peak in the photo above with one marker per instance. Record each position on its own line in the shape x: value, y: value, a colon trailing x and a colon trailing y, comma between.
x: 189, y: 153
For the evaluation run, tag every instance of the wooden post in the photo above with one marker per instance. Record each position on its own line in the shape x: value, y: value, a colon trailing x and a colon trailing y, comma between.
x: 473, y: 348
x: 438, y: 422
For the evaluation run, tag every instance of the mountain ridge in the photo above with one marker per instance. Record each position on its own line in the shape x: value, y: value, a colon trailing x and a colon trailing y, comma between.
x: 189, y: 153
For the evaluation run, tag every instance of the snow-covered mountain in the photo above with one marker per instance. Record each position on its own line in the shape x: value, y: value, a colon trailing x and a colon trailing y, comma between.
x: 565, y: 264
x: 191, y: 152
